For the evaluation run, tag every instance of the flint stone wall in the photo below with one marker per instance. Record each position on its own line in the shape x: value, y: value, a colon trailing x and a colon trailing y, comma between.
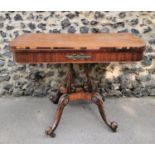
x: 113, y: 79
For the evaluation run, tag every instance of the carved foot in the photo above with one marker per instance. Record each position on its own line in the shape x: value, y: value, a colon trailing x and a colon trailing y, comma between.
x: 50, y: 133
x: 63, y: 101
x: 97, y: 99
x: 113, y: 126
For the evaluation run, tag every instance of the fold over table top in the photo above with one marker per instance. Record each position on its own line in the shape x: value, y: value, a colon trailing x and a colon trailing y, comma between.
x: 77, y: 48
x: 77, y: 41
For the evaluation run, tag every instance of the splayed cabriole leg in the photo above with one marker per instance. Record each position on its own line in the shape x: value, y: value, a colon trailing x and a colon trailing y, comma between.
x: 87, y: 92
x: 97, y: 99
x: 63, y: 101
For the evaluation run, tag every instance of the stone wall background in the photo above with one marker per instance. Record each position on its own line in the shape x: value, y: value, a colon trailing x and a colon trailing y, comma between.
x: 114, y: 79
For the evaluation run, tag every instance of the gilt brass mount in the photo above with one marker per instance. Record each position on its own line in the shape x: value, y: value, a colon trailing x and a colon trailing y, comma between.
x: 78, y: 56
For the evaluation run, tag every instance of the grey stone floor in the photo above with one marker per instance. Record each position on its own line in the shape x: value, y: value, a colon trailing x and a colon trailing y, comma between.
x: 23, y: 120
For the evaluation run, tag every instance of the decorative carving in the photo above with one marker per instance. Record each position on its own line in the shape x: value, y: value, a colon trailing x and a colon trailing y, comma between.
x: 63, y: 101
x: 97, y: 99
x: 87, y: 92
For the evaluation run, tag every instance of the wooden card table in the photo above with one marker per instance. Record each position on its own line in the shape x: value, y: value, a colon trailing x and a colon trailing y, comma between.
x: 77, y: 48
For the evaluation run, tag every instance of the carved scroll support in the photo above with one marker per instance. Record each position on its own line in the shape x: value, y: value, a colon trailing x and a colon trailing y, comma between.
x: 63, y: 101
x: 65, y: 95
x: 97, y: 99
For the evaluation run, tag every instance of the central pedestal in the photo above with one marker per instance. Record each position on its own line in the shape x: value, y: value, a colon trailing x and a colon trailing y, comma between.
x: 86, y: 92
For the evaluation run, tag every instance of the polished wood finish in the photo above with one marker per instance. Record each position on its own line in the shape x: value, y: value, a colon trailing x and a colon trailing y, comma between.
x: 66, y: 98
x: 61, y: 57
x: 77, y: 41
x: 76, y: 48
x: 97, y: 99
x: 80, y: 96
x: 63, y: 101
x: 84, y: 93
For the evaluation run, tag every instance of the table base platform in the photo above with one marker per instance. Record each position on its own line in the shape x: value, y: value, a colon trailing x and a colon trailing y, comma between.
x: 88, y: 92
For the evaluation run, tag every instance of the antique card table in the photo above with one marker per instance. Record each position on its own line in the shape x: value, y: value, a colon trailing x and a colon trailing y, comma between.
x: 79, y: 49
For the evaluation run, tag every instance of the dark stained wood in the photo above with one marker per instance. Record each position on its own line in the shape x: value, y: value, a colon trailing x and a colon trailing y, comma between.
x: 97, y: 99
x: 69, y: 78
x: 67, y: 96
x: 61, y: 57
x: 63, y: 101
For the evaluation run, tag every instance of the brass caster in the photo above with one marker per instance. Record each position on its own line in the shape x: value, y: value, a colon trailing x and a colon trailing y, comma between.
x: 113, y: 126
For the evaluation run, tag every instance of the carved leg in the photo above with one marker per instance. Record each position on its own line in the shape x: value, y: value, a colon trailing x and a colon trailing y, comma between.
x: 97, y: 99
x: 63, y: 101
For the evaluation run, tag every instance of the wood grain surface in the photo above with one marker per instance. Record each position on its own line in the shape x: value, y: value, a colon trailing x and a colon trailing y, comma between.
x: 77, y: 41
x: 77, y: 48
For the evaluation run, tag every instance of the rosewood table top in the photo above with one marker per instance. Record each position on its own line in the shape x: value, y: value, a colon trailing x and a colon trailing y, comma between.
x: 77, y: 41
x: 77, y: 48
